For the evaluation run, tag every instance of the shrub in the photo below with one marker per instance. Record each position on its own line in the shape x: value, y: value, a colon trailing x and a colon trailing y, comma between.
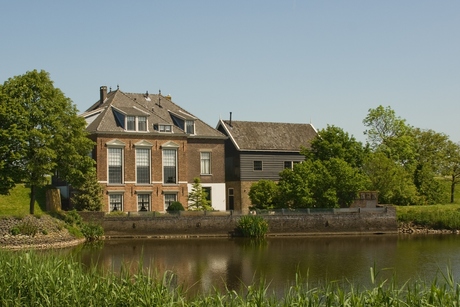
x: 26, y: 228
x: 92, y: 232
x: 252, y: 226
x: 175, y: 206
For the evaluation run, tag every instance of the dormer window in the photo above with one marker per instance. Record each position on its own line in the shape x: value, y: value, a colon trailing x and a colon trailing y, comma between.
x: 166, y: 128
x: 142, y: 123
x: 190, y: 127
x: 136, y: 123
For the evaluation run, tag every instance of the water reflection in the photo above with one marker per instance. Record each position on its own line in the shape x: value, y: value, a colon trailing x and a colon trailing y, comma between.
x: 204, y: 264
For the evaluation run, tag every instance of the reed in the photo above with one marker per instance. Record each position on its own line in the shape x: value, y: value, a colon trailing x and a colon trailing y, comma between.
x: 32, y: 279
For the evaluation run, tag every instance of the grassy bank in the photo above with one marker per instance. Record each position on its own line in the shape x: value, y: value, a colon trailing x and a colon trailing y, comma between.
x: 17, y: 202
x: 31, y: 279
x: 434, y: 217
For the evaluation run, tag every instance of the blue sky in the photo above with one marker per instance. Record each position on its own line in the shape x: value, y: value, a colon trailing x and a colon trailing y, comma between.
x: 324, y: 62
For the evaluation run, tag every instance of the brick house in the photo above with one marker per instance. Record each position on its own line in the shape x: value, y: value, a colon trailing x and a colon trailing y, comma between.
x: 259, y: 150
x: 148, y: 150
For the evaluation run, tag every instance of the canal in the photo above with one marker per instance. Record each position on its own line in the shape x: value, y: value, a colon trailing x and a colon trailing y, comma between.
x: 201, y: 265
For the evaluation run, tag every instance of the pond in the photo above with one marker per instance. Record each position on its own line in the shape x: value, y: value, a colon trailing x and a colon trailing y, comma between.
x: 201, y: 265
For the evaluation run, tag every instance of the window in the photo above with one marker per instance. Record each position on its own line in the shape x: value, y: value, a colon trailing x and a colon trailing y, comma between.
x: 115, y: 202
x: 288, y: 164
x: 130, y: 123
x: 231, y: 199
x: 164, y: 128
x: 115, y: 163
x: 169, y: 199
x: 142, y: 123
x: 205, y: 161
x: 257, y: 165
x: 143, y: 202
x: 143, y: 165
x: 190, y: 127
x: 169, y: 166
x: 208, y: 194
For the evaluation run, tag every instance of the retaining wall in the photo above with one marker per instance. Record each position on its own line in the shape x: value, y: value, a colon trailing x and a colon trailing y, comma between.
x: 194, y: 224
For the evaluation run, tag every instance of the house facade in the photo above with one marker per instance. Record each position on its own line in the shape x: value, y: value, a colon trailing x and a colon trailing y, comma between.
x: 259, y: 150
x: 148, y: 150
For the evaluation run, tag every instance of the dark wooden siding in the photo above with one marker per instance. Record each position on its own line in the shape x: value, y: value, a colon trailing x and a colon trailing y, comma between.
x: 272, y: 164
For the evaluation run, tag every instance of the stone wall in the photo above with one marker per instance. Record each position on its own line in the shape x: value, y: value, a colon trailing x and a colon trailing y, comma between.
x: 357, y: 222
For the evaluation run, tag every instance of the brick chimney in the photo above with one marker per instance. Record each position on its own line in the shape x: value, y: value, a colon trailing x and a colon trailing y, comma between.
x: 103, y: 92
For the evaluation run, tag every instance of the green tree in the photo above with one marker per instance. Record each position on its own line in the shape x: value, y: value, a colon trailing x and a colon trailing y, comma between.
x: 46, y: 134
x: 327, y: 184
x: 88, y: 195
x: 392, y: 181
x: 198, y: 197
x: 451, y: 168
x: 333, y: 142
x: 264, y: 194
x: 391, y: 135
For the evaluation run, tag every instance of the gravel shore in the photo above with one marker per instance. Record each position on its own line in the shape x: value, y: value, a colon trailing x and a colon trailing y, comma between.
x: 49, y: 233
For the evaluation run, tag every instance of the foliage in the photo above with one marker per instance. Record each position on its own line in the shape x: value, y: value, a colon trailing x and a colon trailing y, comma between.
x: 88, y: 196
x: 25, y: 228
x: 41, y: 133
x: 252, y: 226
x: 451, y: 167
x: 175, y: 206
x: 264, y: 194
x: 198, y: 197
x: 434, y: 217
x: 33, y: 279
x: 392, y: 181
x: 333, y: 142
x: 323, y: 184
x: 389, y: 134
x: 92, y: 232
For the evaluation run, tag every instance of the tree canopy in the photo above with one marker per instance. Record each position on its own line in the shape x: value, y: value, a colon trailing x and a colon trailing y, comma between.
x: 41, y: 133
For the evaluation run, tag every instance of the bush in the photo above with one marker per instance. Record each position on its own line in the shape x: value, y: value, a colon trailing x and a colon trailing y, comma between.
x: 26, y: 228
x: 252, y: 226
x: 175, y: 206
x: 92, y: 232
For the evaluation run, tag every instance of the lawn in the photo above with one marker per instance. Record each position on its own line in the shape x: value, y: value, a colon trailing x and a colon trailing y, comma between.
x: 17, y: 202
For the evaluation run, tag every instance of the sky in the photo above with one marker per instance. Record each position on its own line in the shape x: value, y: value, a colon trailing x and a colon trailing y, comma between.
x: 319, y: 62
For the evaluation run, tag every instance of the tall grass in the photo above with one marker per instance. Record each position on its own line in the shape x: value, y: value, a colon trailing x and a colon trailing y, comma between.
x: 252, y: 226
x: 435, y: 216
x: 31, y: 279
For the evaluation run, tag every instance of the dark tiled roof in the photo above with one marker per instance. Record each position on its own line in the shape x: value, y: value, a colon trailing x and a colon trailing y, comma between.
x: 266, y: 136
x: 158, y: 109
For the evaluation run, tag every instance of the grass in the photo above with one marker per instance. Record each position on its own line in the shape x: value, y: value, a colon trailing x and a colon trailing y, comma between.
x: 17, y: 202
x: 32, y: 279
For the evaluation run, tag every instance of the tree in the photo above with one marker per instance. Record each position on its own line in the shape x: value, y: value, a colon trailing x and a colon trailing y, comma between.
x: 326, y: 184
x: 392, y: 181
x: 391, y: 135
x: 198, y: 197
x: 88, y: 196
x: 44, y: 134
x: 452, y: 167
x: 333, y: 142
x: 264, y: 194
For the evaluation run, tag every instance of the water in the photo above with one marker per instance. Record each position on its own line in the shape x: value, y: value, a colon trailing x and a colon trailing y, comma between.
x: 201, y: 265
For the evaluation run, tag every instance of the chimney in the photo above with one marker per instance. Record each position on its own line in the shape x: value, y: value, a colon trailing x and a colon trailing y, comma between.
x: 103, y: 92
x: 230, y: 123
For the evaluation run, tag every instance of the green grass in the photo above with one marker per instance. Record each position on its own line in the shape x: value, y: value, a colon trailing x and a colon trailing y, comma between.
x: 17, y: 202
x: 433, y: 216
x: 32, y: 279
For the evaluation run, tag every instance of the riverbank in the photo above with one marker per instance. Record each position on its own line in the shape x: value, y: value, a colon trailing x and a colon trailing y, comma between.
x: 31, y: 232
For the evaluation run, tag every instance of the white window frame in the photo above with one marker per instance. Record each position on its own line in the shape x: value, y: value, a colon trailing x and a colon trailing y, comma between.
x: 189, y: 126
x: 149, y: 201
x: 167, y: 160
x: 139, y: 121
x: 140, y: 163
x: 109, y: 164
x: 132, y: 122
x: 168, y: 202
x: 205, y: 168
x: 111, y: 198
